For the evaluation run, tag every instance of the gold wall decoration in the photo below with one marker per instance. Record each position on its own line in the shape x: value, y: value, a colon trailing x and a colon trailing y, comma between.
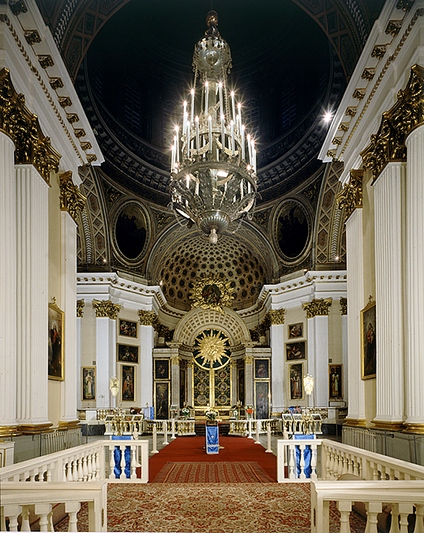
x: 276, y: 316
x: 318, y: 307
x: 31, y: 146
x: 350, y: 197
x: 45, y: 61
x: 146, y: 317
x: 211, y: 293
x: 343, y: 306
x: 18, y: 7
x: 80, y: 308
x: 106, y: 309
x: 71, y: 199
x: 65, y: 101
x: 32, y: 37
x: 396, y: 124
x: 56, y: 83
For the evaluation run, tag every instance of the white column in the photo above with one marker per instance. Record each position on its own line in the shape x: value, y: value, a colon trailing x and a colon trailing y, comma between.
x: 278, y: 384
x: 146, y: 365
x: 8, y: 318
x: 234, y: 382
x: 106, y: 362
x: 389, y: 191
x: 79, y: 360
x: 32, y: 296
x: 68, y: 268
x: 175, y: 378
x: 190, y: 365
x: 248, y: 377
x: 414, y: 294
x: 318, y: 359
x: 345, y: 377
x: 355, y: 303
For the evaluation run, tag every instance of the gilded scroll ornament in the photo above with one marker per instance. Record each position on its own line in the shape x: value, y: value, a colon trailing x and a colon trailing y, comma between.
x: 80, y: 308
x: 32, y: 37
x: 212, y: 293
x: 71, y: 199
x: 147, y: 318
x: 45, y: 61
x: 396, y: 124
x: 343, y: 306
x: 106, y: 309
x: 31, y: 146
x: 276, y: 316
x: 350, y: 197
x: 318, y: 307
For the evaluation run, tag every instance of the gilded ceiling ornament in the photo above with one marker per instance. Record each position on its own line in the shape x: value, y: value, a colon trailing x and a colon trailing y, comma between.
x: 32, y: 37
x: 407, y: 113
x: 147, y: 318
x: 318, y: 307
x: 368, y: 74
x: 56, y: 83
x: 211, y: 349
x: 276, y: 316
x: 106, y: 309
x: 71, y: 199
x: 393, y: 27
x: 350, y: 197
x: 211, y: 293
x: 45, y: 61
x: 18, y: 7
x: 343, y: 306
x: 31, y: 146
x: 80, y: 308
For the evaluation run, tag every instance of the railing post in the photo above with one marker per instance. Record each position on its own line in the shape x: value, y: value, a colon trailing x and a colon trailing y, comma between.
x: 257, y: 441
x: 165, y: 432
x: 250, y: 429
x: 268, y: 434
x: 344, y: 507
x: 154, y: 440
x: 173, y: 436
x: 419, y: 524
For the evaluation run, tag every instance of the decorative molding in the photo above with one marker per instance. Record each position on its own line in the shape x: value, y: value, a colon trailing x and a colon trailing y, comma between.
x: 343, y: 306
x: 212, y: 292
x: 32, y: 37
x: 249, y: 359
x: 106, y: 309
x: 18, y: 7
x: 147, y: 318
x: 350, y: 197
x: 276, y: 316
x: 23, y: 127
x: 71, y: 199
x: 396, y: 124
x: 80, y: 308
x: 175, y: 360
x: 318, y: 307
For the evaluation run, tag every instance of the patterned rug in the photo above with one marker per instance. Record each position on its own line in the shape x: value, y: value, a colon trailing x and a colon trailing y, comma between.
x: 215, y: 508
x: 200, y: 472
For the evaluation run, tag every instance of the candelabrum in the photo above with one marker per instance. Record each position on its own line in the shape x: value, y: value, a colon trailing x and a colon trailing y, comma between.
x: 213, y: 158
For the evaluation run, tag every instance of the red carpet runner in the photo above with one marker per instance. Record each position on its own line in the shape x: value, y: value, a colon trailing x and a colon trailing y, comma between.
x: 259, y: 466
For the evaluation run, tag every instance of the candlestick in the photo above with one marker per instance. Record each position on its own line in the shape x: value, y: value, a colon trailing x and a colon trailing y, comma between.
x: 222, y: 132
x: 184, y: 116
x: 206, y: 98
x: 210, y: 132
x: 197, y: 134
x: 239, y: 117
x: 188, y: 139
x: 243, y: 154
x: 233, y: 105
x: 232, y: 137
x: 221, y: 100
x: 177, y: 144
x: 192, y: 104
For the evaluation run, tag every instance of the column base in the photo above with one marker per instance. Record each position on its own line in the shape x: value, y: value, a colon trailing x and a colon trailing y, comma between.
x: 69, y: 424
x: 9, y: 431
x: 34, y: 429
x: 387, y: 425
x: 414, y: 428
x: 355, y: 422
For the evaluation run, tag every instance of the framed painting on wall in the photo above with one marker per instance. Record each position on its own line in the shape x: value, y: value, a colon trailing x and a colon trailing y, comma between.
x: 128, y: 328
x: 335, y: 382
x: 296, y: 381
x: 295, y: 350
x: 162, y: 400
x: 161, y: 368
x: 261, y: 368
x: 88, y: 382
x: 369, y: 354
x: 262, y: 399
x: 295, y: 330
x: 127, y: 354
x: 128, y: 383
x: 55, y: 342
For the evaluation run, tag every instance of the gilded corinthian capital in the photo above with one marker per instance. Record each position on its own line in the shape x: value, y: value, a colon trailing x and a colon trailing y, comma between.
x: 350, y: 197
x: 396, y: 124
x: 71, y: 199
x: 276, y: 316
x: 80, y: 308
x: 318, y: 307
x: 106, y: 309
x: 23, y: 127
x: 147, y: 318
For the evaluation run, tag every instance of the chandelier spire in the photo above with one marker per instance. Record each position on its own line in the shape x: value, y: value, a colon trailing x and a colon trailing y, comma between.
x: 213, y: 159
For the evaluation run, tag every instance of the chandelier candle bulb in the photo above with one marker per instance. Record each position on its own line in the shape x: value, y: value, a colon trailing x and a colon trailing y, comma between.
x: 188, y: 139
x: 249, y: 146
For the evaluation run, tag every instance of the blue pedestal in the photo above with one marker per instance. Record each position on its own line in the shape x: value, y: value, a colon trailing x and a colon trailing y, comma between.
x: 212, y: 439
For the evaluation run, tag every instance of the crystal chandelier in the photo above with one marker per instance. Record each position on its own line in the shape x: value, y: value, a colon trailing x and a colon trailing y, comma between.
x: 213, y: 158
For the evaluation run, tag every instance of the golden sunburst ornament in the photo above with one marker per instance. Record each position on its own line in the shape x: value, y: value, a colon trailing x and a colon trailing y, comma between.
x: 212, y: 293
x: 211, y: 349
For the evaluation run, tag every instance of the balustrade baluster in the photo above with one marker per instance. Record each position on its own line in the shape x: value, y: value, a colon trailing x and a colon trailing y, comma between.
x: 405, y: 509
x: 43, y: 510
x: 395, y: 519
x: 344, y: 507
x: 314, y: 453
x: 373, y: 508
x: 80, y: 468
x: 12, y: 512
x: 419, y: 523
x: 133, y: 462
x: 69, y: 476
x: 84, y: 459
x: 122, y: 448
x: 25, y: 526
x: 302, y: 461
x: 111, y: 461
x: 72, y: 509
x: 292, y: 461
x: 75, y: 469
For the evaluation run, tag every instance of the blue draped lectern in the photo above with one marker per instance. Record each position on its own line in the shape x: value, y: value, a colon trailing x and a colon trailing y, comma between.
x: 212, y: 438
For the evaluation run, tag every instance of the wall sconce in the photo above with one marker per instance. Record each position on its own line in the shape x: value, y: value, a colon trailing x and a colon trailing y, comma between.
x: 308, y: 383
x: 114, y: 386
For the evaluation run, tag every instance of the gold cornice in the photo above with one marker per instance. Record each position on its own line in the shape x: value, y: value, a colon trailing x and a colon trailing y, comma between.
x: 318, y: 307
x: 80, y: 308
x: 23, y: 127
x: 34, y: 429
x: 146, y: 317
x: 106, y: 309
x: 396, y: 124
x: 71, y: 199
x: 276, y: 316
x: 350, y: 197
x: 343, y: 306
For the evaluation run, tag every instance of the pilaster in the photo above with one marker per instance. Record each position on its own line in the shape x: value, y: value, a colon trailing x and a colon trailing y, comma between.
x: 175, y: 377
x: 248, y: 377
x: 278, y: 377
x: 147, y: 336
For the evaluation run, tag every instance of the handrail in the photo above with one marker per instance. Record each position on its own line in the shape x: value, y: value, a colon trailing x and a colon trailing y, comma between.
x: 16, y: 498
x: 397, y: 498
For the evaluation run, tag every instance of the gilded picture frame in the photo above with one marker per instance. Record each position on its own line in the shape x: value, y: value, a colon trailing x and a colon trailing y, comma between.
x: 162, y: 392
x: 127, y: 353
x: 295, y: 330
x: 56, y: 320
x: 295, y: 350
x: 369, y: 352
x: 161, y: 369
x: 127, y: 328
x: 335, y: 382
x: 296, y: 381
x: 261, y: 368
x: 128, y: 383
x: 88, y: 383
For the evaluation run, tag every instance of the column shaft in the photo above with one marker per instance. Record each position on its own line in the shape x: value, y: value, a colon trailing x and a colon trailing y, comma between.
x: 278, y: 376
x: 145, y: 367
x: 106, y: 362
x: 318, y: 359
